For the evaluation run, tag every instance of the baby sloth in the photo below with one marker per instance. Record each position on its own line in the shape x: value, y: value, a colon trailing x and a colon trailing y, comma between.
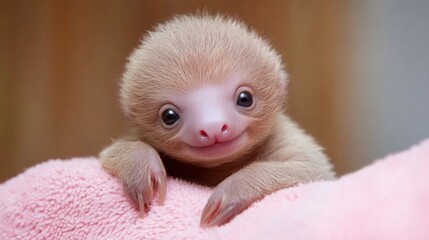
x: 204, y: 95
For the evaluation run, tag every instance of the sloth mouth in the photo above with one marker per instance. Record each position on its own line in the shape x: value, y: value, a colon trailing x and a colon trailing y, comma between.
x: 219, y: 150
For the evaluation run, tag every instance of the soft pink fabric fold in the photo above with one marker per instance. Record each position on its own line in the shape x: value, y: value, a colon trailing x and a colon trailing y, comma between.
x: 77, y: 199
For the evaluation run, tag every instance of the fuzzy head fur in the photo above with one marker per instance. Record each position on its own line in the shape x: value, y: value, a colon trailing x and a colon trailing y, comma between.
x: 188, y: 52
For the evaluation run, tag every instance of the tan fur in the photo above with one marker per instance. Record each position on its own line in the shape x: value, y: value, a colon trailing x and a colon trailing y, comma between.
x: 178, y: 57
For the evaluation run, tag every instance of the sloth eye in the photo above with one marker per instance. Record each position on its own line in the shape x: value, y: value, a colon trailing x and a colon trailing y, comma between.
x: 245, y: 99
x: 169, y: 117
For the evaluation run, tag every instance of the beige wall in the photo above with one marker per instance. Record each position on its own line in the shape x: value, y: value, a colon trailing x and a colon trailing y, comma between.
x: 60, y: 62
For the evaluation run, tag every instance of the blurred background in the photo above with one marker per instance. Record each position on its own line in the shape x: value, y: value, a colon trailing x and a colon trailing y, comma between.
x: 359, y: 72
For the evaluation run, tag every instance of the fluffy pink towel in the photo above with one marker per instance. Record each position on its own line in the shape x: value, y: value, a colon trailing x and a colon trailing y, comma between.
x: 76, y: 199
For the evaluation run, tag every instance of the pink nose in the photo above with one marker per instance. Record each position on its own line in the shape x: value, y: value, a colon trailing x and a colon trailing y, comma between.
x: 215, y: 132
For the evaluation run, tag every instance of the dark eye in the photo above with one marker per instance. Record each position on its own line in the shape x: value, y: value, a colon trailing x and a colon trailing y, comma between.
x: 169, y: 117
x: 245, y: 99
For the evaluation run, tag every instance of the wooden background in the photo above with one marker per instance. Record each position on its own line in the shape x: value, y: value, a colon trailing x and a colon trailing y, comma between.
x: 60, y: 62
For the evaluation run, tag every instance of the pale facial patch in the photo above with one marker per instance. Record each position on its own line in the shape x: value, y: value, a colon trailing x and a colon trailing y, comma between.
x: 212, y: 125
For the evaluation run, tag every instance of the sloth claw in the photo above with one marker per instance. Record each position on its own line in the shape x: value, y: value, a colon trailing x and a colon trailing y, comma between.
x: 219, y: 212
x: 142, y: 194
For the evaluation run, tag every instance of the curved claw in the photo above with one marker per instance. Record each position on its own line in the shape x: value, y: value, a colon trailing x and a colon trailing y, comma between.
x: 141, y: 204
x: 220, y: 215
x: 225, y: 215
x: 143, y: 200
x: 160, y: 187
x: 142, y: 194
x: 210, y: 211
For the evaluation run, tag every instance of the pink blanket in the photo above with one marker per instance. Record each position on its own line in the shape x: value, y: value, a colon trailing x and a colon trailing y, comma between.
x: 76, y: 199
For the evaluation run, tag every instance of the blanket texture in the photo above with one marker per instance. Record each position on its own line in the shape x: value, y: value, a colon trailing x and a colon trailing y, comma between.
x: 77, y: 199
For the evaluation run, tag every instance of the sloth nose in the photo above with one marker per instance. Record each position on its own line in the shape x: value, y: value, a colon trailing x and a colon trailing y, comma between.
x: 214, y: 132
